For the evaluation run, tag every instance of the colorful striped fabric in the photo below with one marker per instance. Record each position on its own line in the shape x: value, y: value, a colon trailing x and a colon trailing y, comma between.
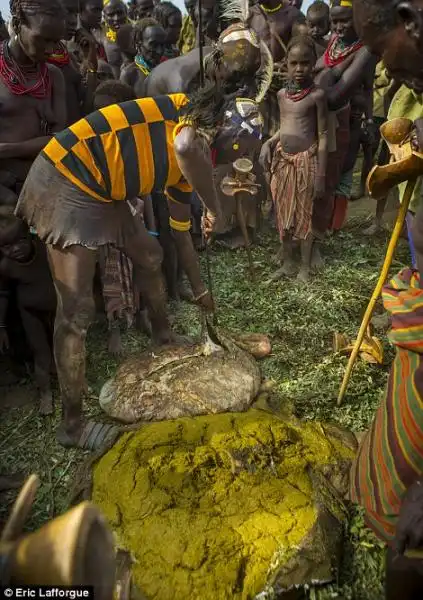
x: 292, y: 183
x: 390, y: 458
x: 123, y: 151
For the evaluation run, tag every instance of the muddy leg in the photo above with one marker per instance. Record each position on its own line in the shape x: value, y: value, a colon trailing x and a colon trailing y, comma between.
x: 39, y: 343
x: 288, y: 267
x: 146, y: 254
x: 306, y: 248
x: 170, y: 262
x: 115, y: 339
x: 73, y: 273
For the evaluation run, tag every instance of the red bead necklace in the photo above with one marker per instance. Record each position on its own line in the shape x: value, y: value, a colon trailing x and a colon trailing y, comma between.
x: 17, y: 82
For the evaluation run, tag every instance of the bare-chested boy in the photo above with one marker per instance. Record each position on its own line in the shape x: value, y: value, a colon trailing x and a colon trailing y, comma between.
x: 170, y: 18
x: 318, y: 23
x: 115, y: 16
x: 149, y: 42
x: 340, y: 71
x: 299, y: 159
x: 90, y: 15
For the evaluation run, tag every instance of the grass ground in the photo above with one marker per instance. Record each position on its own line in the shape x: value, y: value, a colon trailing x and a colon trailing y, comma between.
x: 300, y: 319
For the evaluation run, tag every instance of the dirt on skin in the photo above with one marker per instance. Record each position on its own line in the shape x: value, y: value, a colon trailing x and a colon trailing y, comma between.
x: 225, y: 506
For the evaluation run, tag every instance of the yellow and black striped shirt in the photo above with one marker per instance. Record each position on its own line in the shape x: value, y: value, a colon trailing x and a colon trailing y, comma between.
x: 123, y: 151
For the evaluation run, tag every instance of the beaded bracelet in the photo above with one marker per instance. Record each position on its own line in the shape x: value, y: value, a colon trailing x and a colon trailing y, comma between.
x: 154, y: 233
x: 197, y: 298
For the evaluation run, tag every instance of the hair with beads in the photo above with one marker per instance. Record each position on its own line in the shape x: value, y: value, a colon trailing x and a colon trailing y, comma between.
x: 118, y: 90
x: 162, y: 12
x: 141, y: 26
x: 19, y: 9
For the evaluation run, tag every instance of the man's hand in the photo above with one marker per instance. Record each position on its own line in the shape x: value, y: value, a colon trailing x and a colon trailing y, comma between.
x: 208, y: 224
x: 205, y: 301
x: 265, y: 158
x: 409, y: 533
x: 4, y: 340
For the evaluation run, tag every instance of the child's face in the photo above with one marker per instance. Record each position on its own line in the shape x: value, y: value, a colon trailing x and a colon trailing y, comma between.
x: 299, y: 29
x: 318, y: 25
x: 342, y: 23
x: 300, y: 64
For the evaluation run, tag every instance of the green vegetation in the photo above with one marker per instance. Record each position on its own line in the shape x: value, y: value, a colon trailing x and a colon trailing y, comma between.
x: 300, y: 319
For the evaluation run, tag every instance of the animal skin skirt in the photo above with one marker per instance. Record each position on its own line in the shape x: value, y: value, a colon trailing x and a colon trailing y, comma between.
x: 63, y: 215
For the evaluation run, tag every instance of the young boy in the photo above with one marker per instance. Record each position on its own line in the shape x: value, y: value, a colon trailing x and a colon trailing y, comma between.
x: 299, y: 149
x: 318, y: 23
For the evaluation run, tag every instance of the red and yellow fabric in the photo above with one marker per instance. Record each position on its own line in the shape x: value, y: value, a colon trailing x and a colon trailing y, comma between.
x: 390, y: 457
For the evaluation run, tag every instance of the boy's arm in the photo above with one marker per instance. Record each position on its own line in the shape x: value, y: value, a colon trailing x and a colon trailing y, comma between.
x: 349, y: 79
x: 322, y: 150
x: 193, y: 158
x: 368, y: 91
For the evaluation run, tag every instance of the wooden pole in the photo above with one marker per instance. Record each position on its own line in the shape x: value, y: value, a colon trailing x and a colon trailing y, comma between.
x: 402, y: 213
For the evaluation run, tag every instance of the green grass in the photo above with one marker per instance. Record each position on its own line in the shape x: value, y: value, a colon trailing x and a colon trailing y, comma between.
x: 300, y: 320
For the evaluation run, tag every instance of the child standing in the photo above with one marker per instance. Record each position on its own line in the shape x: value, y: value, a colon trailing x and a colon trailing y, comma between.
x: 299, y: 149
x: 318, y: 24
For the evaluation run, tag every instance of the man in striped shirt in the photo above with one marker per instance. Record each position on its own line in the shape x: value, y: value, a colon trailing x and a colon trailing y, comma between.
x: 75, y: 197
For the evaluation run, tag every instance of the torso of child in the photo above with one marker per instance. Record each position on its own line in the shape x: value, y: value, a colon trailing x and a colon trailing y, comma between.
x: 298, y: 124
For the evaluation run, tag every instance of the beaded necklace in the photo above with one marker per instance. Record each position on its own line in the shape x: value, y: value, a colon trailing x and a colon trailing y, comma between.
x: 295, y: 93
x: 142, y: 64
x: 17, y: 81
x: 271, y: 10
x: 337, y: 51
x: 59, y: 56
x: 111, y: 34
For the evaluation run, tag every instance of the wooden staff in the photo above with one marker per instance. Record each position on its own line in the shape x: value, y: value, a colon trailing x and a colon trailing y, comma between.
x: 244, y: 230
x: 399, y: 224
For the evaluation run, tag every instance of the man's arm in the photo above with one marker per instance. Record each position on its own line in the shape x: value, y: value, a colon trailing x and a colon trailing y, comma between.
x: 322, y: 129
x: 30, y: 148
x: 368, y: 82
x: 349, y: 79
x: 193, y: 157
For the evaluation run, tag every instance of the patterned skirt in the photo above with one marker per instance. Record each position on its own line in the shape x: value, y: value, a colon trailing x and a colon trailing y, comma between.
x: 390, y: 457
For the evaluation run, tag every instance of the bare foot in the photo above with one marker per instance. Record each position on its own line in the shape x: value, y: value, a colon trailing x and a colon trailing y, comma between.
x: 316, y: 258
x: 303, y: 275
x: 115, y: 342
x: 46, y: 402
x: 287, y: 270
x: 68, y: 435
x: 374, y: 228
